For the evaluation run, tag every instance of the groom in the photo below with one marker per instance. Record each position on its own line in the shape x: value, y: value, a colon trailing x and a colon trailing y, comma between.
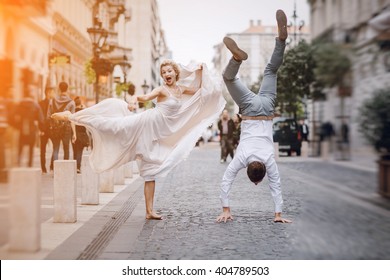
x: 256, y: 149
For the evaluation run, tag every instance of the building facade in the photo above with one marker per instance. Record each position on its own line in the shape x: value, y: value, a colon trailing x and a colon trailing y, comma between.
x: 258, y: 41
x: 24, y: 47
x: 44, y: 42
x: 145, y: 36
x: 362, y: 27
x: 70, y: 46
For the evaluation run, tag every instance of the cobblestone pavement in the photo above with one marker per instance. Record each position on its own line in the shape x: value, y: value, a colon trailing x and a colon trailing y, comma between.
x: 331, y: 218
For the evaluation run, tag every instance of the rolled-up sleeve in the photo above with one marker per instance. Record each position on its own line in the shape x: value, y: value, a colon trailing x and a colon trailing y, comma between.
x: 228, y: 178
x: 274, y: 184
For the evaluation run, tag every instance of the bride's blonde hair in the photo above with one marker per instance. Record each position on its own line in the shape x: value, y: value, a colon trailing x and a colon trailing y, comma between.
x: 174, y: 65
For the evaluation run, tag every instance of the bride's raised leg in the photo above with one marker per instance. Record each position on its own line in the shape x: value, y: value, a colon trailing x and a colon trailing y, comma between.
x: 61, y: 116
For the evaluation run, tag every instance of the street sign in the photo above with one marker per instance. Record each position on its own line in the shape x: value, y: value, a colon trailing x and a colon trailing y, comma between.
x: 59, y: 59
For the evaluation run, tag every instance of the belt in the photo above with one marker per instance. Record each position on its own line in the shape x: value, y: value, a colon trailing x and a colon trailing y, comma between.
x: 262, y: 118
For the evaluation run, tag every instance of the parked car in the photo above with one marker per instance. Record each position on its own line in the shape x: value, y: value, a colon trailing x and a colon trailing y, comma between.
x: 286, y: 133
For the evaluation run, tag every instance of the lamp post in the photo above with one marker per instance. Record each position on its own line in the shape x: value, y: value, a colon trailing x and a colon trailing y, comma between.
x: 301, y: 24
x: 98, y: 36
x: 145, y: 87
x: 125, y: 66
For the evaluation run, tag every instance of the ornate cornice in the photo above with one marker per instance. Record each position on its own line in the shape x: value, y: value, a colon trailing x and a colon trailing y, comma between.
x: 72, y: 38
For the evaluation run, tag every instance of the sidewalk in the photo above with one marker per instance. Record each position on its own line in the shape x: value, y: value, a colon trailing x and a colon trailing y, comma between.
x: 97, y: 225
x: 54, y: 234
x: 358, y: 162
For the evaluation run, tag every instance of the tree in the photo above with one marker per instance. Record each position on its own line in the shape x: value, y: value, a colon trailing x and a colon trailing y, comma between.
x: 129, y: 87
x: 89, y: 72
x: 374, y: 121
x: 296, y: 79
x: 332, y: 64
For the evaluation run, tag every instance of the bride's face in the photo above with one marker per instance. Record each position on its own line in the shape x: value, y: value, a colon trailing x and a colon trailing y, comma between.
x: 168, y: 74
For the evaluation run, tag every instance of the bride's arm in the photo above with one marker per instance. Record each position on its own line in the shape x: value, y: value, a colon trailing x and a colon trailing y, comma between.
x: 155, y: 93
x: 198, y: 77
x: 132, y: 104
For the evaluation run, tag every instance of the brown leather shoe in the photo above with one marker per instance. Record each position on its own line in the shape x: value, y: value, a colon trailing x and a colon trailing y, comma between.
x: 282, y: 25
x: 238, y: 53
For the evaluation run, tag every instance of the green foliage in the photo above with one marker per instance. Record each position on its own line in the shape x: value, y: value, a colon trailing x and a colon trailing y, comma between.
x: 296, y: 79
x: 89, y: 72
x: 331, y: 64
x: 374, y: 121
x: 128, y: 87
x: 146, y: 105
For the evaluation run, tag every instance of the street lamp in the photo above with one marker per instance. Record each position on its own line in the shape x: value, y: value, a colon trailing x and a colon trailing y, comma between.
x: 301, y: 24
x: 98, y: 36
x: 145, y: 87
x: 125, y: 66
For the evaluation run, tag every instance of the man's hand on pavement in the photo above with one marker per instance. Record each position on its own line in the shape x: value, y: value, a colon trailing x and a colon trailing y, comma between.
x: 225, y: 216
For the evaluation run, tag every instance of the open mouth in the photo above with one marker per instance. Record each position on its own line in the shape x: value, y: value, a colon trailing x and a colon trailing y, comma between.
x: 168, y: 79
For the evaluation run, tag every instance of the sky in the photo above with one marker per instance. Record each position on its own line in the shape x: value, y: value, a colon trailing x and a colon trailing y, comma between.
x: 193, y: 27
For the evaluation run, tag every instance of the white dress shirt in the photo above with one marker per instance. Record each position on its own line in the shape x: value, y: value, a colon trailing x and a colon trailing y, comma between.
x: 256, y: 144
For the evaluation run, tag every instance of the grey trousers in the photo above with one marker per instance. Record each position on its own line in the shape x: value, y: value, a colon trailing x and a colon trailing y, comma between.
x: 251, y: 104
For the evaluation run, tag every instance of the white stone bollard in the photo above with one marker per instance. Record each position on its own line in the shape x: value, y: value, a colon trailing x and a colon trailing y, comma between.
x: 25, y: 209
x: 305, y: 149
x: 89, y: 183
x: 325, y: 150
x: 106, y: 182
x: 119, y: 175
x: 276, y: 150
x: 129, y: 170
x: 65, y: 191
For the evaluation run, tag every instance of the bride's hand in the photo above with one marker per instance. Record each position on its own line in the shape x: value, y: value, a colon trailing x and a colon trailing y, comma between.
x: 132, y: 106
x: 61, y: 116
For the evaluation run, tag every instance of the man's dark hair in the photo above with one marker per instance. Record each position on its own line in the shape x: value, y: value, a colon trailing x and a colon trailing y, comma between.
x: 256, y: 171
x: 63, y: 86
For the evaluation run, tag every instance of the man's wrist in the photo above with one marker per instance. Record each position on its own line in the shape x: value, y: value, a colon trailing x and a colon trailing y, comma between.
x: 226, y: 209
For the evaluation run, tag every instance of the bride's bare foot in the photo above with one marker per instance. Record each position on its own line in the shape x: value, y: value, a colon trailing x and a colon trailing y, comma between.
x: 61, y: 116
x: 153, y: 216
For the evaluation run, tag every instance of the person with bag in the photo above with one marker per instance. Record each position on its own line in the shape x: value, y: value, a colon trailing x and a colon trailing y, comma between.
x: 82, y: 138
x: 44, y: 133
x: 60, y: 130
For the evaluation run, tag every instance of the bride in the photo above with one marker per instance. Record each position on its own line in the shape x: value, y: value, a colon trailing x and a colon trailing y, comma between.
x: 160, y: 138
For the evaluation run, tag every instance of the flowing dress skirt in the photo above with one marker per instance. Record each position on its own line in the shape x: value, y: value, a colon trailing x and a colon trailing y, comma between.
x: 160, y: 137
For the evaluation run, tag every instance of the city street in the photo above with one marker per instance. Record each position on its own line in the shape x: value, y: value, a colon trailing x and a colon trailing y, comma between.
x: 330, y: 220
x: 335, y: 210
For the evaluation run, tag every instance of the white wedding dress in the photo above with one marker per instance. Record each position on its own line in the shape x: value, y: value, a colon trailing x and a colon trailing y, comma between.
x: 160, y: 137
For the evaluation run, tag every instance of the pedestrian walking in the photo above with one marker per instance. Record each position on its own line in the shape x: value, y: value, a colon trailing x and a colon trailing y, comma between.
x: 161, y: 137
x: 82, y: 138
x: 226, y: 131
x: 237, y: 131
x: 44, y: 132
x: 61, y: 131
x: 256, y: 149
x: 303, y: 130
x: 28, y: 116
